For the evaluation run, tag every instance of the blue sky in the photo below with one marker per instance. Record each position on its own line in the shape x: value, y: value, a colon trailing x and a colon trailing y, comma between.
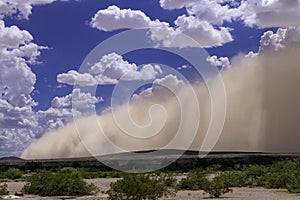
x: 64, y: 28
x: 66, y: 31
x: 70, y: 38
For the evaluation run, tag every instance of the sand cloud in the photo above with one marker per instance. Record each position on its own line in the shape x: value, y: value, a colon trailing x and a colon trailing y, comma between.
x: 262, y: 113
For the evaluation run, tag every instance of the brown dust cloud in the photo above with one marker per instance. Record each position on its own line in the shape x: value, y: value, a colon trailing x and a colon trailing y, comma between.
x: 263, y: 114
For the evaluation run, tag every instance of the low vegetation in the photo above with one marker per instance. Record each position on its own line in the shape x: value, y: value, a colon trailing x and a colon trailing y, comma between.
x: 217, y: 186
x: 194, y: 181
x: 91, y: 174
x: 3, y: 189
x: 215, y: 180
x: 140, y: 186
x: 65, y: 182
x: 199, y: 180
x: 11, y: 174
x: 283, y: 174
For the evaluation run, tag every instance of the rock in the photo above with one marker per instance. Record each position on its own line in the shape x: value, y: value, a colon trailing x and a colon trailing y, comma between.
x: 19, y: 194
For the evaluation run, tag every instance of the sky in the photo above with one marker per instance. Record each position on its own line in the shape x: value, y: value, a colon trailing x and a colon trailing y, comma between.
x: 43, y: 43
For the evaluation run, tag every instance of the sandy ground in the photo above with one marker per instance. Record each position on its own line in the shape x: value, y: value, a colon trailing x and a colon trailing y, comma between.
x: 103, y: 185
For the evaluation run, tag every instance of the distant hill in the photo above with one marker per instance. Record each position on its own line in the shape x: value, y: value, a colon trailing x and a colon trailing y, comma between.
x: 11, y: 158
x: 12, y: 161
x: 126, y: 160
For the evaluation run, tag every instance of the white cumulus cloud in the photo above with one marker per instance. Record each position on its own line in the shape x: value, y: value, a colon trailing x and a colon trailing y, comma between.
x: 271, y: 13
x: 205, y: 34
x: 169, y: 82
x: 218, y: 62
x: 213, y: 12
x: 18, y: 120
x: 109, y: 70
x: 176, y: 4
x: 72, y: 77
x: 112, y: 67
x: 261, y: 13
x: 283, y: 37
x: 201, y: 30
x: 114, y: 18
x: 80, y: 99
x: 20, y: 8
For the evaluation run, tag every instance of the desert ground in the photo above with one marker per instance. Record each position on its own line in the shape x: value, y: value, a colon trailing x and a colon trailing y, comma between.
x: 103, y: 185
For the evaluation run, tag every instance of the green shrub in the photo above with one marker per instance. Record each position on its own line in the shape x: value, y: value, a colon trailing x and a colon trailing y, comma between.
x: 138, y: 187
x: 294, y: 186
x: 277, y: 179
x: 3, y: 189
x: 168, y: 180
x: 234, y: 179
x: 194, y: 181
x: 252, y: 175
x: 198, y: 181
x: 11, y: 173
x: 214, y: 168
x: 33, y: 166
x: 285, y: 174
x: 282, y: 174
x: 217, y: 187
x: 99, y: 174
x: 65, y: 182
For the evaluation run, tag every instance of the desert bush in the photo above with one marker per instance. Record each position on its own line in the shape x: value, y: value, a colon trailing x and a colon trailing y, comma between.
x: 168, y: 179
x: 234, y: 179
x: 214, y: 168
x: 33, y: 166
x: 99, y: 174
x: 285, y: 174
x: 3, y: 189
x: 65, y: 182
x: 138, y: 187
x: 217, y: 186
x: 252, y: 175
x: 194, y: 181
x: 293, y: 186
x: 282, y: 174
x: 11, y: 173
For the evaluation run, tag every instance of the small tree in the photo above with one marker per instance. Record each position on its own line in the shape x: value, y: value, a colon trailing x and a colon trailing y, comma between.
x: 138, y: 187
x: 66, y: 182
